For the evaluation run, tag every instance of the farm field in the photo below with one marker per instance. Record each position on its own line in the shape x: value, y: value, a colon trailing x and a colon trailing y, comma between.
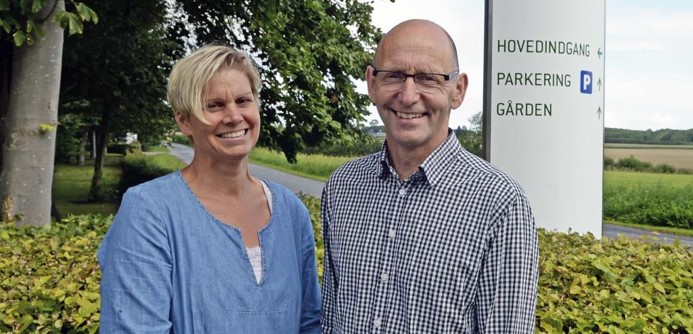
x: 679, y: 156
x: 649, y: 199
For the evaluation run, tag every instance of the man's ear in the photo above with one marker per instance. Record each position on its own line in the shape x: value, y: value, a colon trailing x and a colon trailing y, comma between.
x: 461, y: 84
x: 370, y: 82
x: 183, y: 124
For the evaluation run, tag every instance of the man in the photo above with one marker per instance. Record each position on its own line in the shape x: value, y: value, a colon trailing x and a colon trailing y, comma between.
x: 425, y: 237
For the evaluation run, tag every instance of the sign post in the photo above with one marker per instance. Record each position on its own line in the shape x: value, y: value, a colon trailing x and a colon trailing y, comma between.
x: 544, y: 106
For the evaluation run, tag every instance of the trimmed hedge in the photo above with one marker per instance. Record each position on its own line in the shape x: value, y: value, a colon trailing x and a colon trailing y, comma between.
x: 139, y: 168
x: 49, y: 280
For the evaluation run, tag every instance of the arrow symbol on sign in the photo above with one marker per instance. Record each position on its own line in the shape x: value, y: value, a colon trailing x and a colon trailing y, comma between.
x: 599, y: 83
x: 599, y: 112
x: 599, y: 53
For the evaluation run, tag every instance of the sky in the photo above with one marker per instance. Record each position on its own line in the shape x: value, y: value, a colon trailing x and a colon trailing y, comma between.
x: 648, y: 57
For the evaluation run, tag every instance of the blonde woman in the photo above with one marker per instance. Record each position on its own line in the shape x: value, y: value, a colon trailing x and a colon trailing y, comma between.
x: 210, y: 248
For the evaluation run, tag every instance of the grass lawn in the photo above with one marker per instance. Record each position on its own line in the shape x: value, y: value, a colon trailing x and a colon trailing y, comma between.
x: 71, y: 187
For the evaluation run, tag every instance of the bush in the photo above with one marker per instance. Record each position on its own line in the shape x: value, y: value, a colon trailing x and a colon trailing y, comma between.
x: 50, y: 276
x: 613, y: 286
x: 633, y: 164
x: 50, y: 280
x: 125, y: 149
x: 139, y: 168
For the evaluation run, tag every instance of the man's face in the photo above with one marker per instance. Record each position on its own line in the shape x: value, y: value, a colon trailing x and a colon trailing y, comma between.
x: 415, y: 115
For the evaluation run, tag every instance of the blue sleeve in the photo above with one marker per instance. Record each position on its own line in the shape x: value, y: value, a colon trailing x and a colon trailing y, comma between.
x: 310, y: 310
x: 135, y: 261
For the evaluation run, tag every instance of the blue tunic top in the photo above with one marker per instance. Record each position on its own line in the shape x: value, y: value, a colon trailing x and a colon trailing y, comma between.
x: 169, y: 266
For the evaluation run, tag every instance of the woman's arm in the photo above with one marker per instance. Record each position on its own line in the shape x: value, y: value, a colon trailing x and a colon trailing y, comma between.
x: 135, y: 260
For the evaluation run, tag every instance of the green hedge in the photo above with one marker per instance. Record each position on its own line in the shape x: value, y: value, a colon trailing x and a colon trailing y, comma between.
x: 139, y: 168
x: 49, y: 277
x: 49, y: 280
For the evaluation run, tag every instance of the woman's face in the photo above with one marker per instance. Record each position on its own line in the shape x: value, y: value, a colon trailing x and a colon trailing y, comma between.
x: 233, y: 116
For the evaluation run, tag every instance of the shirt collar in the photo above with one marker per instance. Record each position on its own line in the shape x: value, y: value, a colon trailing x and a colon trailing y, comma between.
x: 433, y: 168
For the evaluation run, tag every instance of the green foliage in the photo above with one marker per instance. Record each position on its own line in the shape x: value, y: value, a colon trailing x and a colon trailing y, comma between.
x: 663, y: 136
x: 309, y: 53
x: 346, y: 148
x: 139, y: 168
x: 181, y: 139
x: 471, y: 139
x: 20, y: 22
x: 50, y: 277
x: 313, y: 205
x: 118, y: 69
x: 71, y: 188
x: 314, y: 166
x: 51, y: 280
x: 649, y: 199
x: 613, y: 286
x: 631, y: 164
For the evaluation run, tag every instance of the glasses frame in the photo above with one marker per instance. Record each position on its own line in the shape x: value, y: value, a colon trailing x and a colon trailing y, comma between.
x: 446, y: 77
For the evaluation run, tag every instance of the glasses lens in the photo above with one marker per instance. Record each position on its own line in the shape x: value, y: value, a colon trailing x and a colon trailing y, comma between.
x: 425, y: 82
x: 392, y: 78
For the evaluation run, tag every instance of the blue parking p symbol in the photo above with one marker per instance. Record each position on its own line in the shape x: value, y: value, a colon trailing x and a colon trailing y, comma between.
x: 586, y: 82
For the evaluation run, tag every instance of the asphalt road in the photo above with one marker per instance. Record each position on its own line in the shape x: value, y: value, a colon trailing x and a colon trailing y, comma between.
x: 314, y: 188
x: 293, y: 182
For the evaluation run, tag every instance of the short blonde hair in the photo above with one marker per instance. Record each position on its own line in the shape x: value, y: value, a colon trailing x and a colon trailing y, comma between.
x: 188, y: 80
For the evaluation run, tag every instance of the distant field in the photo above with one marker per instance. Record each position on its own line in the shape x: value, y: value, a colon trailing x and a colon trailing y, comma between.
x: 680, y: 156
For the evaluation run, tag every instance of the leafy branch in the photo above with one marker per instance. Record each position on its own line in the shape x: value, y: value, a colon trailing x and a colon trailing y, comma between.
x: 20, y: 20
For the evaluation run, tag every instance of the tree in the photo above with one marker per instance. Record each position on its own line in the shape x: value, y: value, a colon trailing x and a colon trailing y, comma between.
x: 116, y: 72
x: 32, y: 41
x: 309, y: 53
x: 471, y: 138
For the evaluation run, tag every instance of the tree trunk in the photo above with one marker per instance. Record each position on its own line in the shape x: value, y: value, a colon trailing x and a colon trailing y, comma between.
x: 5, y: 70
x: 30, y: 124
x: 82, y: 152
x: 101, y: 144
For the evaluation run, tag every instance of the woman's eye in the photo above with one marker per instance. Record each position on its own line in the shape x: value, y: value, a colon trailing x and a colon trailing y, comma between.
x: 244, y: 101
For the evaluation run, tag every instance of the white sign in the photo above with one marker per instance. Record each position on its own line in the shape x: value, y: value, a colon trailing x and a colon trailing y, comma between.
x: 544, y: 106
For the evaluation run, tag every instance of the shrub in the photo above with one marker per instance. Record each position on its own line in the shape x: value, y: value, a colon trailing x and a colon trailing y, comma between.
x: 50, y: 277
x: 633, y: 164
x: 139, y: 168
x: 50, y: 280
x: 613, y: 286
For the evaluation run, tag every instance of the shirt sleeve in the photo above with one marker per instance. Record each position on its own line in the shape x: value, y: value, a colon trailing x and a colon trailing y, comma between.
x: 135, y: 262
x: 328, y: 275
x: 310, y: 310
x: 507, y: 290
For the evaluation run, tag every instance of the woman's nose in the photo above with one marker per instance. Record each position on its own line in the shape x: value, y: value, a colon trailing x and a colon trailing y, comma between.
x: 232, y: 115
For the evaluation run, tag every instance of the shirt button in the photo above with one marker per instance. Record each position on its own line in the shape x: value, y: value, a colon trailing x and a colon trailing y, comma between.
x: 384, y: 277
x: 402, y: 192
x: 391, y: 233
x: 377, y: 322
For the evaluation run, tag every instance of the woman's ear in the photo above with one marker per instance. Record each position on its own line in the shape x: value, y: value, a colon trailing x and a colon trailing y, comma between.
x: 183, y: 124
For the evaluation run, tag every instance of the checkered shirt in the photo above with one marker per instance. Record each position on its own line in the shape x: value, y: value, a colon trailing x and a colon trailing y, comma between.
x: 452, y: 249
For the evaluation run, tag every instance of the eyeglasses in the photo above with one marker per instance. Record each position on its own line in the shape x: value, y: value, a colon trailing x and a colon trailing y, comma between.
x: 424, y: 81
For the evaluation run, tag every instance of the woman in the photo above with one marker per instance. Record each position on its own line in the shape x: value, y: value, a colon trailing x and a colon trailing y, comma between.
x: 211, y: 249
